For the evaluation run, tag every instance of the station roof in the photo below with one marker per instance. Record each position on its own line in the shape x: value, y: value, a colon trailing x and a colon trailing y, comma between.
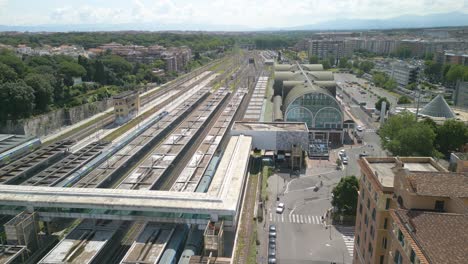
x: 298, y: 76
x: 270, y: 126
x: 300, y: 90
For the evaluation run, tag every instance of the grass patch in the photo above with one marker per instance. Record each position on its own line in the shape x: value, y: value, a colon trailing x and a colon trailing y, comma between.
x: 252, y: 258
x: 266, y: 172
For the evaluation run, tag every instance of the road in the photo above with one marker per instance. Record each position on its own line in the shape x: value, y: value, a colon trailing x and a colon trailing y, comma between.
x: 302, y: 236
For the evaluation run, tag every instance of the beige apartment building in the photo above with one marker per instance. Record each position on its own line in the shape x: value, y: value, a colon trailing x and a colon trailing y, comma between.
x: 126, y: 106
x: 401, y: 203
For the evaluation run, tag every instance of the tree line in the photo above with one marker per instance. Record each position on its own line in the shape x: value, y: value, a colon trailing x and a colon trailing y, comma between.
x: 36, y: 84
x: 403, y: 136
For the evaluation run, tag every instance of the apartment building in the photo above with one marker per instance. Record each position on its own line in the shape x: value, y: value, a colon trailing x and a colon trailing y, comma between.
x: 403, y: 72
x: 176, y: 58
x: 126, y: 106
x: 430, y: 223
x: 410, y: 210
x: 327, y: 49
x: 376, y: 190
x: 460, y: 95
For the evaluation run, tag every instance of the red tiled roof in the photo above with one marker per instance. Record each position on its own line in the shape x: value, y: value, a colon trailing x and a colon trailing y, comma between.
x: 442, y: 237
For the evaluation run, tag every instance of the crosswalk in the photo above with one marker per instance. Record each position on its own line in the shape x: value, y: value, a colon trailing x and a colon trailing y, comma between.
x: 295, y: 218
x: 370, y: 130
x: 347, y: 232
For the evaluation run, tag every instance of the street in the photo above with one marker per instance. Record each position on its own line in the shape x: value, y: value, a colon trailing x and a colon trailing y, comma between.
x: 303, y: 235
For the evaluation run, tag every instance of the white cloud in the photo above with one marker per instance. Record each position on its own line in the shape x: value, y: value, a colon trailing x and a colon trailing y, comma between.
x: 252, y: 13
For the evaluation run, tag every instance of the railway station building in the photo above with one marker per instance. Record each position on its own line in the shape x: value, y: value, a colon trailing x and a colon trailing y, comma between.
x: 306, y: 93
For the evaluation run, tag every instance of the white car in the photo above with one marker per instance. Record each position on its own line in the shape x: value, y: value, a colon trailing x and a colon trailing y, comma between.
x: 280, y: 208
x: 342, y: 153
x: 359, y: 128
x: 345, y: 160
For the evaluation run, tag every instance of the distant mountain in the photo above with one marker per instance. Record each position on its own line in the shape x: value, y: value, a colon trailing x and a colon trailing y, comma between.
x: 407, y: 21
x: 124, y: 27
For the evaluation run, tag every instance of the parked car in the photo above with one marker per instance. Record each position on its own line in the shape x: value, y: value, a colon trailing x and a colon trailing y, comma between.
x: 272, y: 240
x: 359, y: 128
x: 271, y: 260
x: 272, y: 252
x: 272, y: 228
x: 280, y: 208
x: 272, y: 234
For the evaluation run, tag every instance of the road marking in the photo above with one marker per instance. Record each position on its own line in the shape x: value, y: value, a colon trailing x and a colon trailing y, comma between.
x: 282, y: 218
x: 290, y: 218
x: 318, y: 219
x: 271, y: 217
x: 302, y: 220
x: 348, y: 236
x: 310, y: 221
x: 294, y: 218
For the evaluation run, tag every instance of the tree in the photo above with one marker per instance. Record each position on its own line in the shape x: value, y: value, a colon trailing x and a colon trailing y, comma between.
x: 390, y: 84
x: 380, y: 79
x: 411, y: 86
x: 118, y: 65
x: 16, y: 100
x: 345, y: 195
x: 72, y: 69
x: 325, y: 63
x: 7, y: 74
x: 378, y: 104
x: 451, y: 136
x: 14, y: 62
x: 343, y: 63
x: 403, y: 136
x: 366, y: 66
x: 404, y: 100
x: 43, y: 90
x: 313, y: 59
x: 455, y: 73
x: 433, y: 70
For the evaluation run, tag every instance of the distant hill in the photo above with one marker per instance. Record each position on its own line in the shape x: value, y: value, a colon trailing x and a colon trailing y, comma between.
x: 407, y: 21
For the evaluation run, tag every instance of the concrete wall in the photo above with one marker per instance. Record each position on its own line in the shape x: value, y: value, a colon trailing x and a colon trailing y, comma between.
x: 275, y: 140
x: 47, y: 123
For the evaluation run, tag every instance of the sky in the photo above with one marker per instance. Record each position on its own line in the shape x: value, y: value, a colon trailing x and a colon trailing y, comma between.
x: 251, y: 13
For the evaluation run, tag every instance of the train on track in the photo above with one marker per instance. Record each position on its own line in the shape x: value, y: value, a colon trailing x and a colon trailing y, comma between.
x: 20, y: 150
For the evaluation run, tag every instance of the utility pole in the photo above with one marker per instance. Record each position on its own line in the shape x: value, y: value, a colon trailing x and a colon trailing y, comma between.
x: 418, y: 87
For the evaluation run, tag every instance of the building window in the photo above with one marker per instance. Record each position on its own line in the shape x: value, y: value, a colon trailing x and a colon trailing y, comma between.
x: 365, y: 219
x: 398, y: 258
x: 401, y: 238
x: 439, y: 206
x: 369, y: 248
x: 387, y: 204
x: 368, y: 203
x: 375, y: 196
x: 372, y: 231
x: 358, y: 240
x: 381, y: 259
x: 385, y: 223
x: 373, y: 214
x: 412, y: 256
x: 384, y: 242
x: 360, y: 208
